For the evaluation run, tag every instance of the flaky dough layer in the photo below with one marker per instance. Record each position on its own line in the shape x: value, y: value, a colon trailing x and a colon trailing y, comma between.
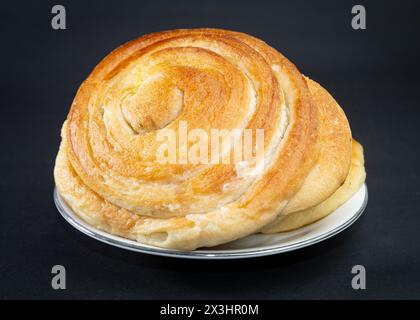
x: 352, y: 184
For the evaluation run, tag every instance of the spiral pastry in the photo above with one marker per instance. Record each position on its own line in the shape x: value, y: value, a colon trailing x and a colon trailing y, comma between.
x: 109, y: 168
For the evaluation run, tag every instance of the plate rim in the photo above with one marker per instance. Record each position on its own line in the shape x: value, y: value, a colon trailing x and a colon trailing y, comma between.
x: 132, y: 245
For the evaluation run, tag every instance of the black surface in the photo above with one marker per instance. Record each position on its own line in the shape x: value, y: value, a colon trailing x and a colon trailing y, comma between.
x: 372, y: 73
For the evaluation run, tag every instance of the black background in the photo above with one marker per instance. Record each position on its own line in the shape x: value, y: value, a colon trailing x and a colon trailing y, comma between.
x: 372, y: 73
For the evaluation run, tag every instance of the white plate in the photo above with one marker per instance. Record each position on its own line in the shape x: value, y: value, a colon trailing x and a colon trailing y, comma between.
x: 252, y: 246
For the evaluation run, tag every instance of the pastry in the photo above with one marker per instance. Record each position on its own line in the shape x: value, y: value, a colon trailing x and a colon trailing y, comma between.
x: 112, y: 172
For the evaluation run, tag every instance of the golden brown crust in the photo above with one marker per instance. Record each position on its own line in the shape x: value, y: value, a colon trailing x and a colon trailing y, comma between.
x: 107, y: 169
